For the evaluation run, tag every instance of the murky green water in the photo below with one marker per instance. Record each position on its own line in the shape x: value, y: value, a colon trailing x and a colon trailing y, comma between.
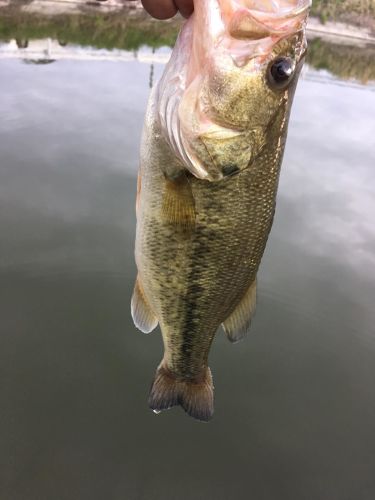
x: 295, y: 402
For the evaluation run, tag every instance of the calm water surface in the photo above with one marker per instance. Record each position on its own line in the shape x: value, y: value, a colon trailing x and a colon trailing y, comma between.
x: 295, y: 402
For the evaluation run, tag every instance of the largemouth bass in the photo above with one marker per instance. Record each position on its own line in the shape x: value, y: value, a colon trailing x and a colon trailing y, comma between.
x: 211, y: 151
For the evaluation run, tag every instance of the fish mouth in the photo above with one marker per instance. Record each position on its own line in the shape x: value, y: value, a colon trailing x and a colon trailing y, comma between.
x: 254, y: 26
x: 262, y: 18
x: 271, y: 9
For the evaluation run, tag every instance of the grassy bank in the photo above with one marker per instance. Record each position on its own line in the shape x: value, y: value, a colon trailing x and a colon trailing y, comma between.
x: 357, y: 12
x: 109, y: 31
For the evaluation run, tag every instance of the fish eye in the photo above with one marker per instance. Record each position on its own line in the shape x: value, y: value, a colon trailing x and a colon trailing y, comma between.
x: 280, y: 72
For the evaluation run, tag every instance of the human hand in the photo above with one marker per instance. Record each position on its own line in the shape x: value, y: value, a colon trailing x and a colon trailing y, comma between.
x: 164, y: 9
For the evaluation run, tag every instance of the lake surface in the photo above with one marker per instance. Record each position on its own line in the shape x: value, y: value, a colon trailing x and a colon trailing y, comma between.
x: 295, y: 402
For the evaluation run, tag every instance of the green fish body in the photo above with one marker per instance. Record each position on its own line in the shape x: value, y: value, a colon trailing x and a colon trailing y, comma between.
x: 206, y: 199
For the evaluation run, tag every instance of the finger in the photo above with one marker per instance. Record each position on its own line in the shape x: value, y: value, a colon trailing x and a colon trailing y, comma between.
x: 186, y: 7
x: 161, y: 9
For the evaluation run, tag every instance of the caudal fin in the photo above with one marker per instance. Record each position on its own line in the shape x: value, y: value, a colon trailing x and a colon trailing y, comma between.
x: 196, y: 397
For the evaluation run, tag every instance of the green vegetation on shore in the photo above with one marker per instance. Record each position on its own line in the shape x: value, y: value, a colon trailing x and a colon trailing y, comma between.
x: 358, y: 12
x: 109, y: 31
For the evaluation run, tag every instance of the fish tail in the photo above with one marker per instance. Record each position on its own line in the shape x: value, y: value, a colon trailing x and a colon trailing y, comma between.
x: 195, y: 396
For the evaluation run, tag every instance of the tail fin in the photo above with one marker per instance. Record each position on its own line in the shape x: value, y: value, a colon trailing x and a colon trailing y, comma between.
x: 195, y: 397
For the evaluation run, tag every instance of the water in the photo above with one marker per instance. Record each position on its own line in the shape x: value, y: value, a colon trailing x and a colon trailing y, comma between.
x: 295, y: 402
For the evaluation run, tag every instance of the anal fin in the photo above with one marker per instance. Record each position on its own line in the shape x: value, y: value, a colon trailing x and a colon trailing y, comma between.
x: 143, y: 317
x: 238, y: 323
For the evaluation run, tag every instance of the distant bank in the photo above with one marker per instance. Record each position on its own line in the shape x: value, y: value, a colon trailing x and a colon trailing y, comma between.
x: 330, y: 19
x: 342, y: 17
x: 360, y: 13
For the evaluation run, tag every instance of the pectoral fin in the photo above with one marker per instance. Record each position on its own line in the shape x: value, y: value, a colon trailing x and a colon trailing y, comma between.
x: 143, y: 317
x: 178, y: 202
x: 238, y: 323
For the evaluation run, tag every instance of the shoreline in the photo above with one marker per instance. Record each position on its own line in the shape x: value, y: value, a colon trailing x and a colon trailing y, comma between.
x: 337, y: 30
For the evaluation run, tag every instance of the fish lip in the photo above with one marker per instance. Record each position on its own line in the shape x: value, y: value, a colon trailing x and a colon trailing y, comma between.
x: 266, y: 18
x: 293, y: 11
x: 298, y: 11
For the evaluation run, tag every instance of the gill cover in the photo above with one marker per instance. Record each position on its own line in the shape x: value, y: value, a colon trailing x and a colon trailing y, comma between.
x: 238, y: 35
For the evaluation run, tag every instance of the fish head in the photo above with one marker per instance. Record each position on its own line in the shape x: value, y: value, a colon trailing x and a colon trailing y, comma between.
x: 239, y: 81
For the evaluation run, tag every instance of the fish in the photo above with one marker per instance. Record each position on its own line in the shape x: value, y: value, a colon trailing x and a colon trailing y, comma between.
x: 211, y: 150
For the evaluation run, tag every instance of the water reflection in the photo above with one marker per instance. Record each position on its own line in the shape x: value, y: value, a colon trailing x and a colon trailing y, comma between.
x: 295, y: 403
x: 343, y: 60
x: 125, y: 30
